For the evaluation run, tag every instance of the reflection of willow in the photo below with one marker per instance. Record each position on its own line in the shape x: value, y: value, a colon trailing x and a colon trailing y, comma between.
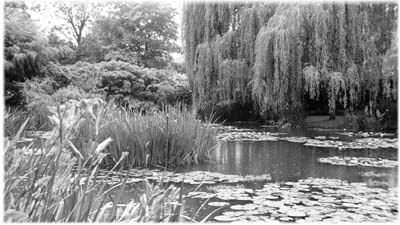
x: 273, y: 55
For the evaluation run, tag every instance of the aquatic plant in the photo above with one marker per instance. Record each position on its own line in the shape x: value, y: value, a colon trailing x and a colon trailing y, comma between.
x: 13, y: 120
x: 59, y: 185
x: 168, y: 137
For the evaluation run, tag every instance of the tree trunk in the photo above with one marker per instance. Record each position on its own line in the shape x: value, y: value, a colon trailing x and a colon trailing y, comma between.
x: 332, y: 114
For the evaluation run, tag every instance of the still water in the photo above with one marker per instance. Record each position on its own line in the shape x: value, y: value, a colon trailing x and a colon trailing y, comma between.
x: 292, y: 162
x: 287, y: 161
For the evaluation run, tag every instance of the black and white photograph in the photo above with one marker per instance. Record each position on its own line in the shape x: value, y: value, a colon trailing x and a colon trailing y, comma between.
x: 200, y: 111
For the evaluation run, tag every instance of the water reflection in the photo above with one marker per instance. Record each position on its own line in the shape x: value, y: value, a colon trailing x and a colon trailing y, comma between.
x: 287, y: 161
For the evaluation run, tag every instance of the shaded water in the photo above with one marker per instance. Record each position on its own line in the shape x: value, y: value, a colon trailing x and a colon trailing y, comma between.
x: 285, y: 161
x: 288, y: 161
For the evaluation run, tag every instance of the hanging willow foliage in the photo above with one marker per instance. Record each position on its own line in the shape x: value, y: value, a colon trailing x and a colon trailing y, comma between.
x: 205, y: 74
x: 342, y: 50
x: 234, y: 76
x: 336, y: 91
x: 312, y: 80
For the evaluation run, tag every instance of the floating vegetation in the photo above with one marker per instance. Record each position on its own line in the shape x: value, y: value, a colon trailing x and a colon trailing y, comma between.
x: 242, y: 194
x: 194, y: 177
x: 223, y: 218
x: 313, y: 200
x: 370, y: 143
x: 216, y: 188
x: 234, y: 134
x: 379, y: 142
x: 248, y: 136
x: 377, y: 184
x: 320, y: 137
x: 200, y: 194
x: 294, y: 139
x: 367, y: 134
x: 218, y: 204
x: 244, y: 207
x: 359, y: 161
x: 373, y: 174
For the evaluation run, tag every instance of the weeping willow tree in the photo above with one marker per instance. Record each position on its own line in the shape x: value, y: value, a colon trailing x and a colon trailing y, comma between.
x: 290, y: 53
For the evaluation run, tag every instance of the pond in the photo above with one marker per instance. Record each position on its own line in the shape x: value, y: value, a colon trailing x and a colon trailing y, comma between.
x: 265, y: 174
x: 291, y: 162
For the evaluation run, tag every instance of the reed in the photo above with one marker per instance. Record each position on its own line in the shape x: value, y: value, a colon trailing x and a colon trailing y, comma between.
x: 61, y: 183
x: 168, y: 138
x: 57, y: 184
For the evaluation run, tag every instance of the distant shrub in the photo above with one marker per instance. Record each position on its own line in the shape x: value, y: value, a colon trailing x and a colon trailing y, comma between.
x: 41, y: 93
x: 135, y: 88
x: 123, y: 82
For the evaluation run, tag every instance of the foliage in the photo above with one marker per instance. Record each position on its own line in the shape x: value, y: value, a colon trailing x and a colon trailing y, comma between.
x: 49, y: 91
x: 127, y: 84
x: 168, y: 137
x: 146, y: 31
x: 336, y: 90
x: 26, y: 50
x: 294, y: 51
x: 55, y: 184
x: 134, y: 87
x: 13, y: 120
x: 312, y: 79
x: 77, y: 15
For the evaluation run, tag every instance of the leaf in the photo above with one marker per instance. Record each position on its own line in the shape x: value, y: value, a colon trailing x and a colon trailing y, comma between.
x: 19, y: 133
x: 103, y: 145
x: 74, y: 149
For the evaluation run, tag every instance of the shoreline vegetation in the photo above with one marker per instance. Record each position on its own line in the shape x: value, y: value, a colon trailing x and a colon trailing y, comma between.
x: 60, y: 184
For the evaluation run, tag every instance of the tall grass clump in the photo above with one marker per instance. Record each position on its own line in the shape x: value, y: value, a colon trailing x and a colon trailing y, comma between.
x: 13, y: 120
x: 56, y: 183
x: 168, y: 137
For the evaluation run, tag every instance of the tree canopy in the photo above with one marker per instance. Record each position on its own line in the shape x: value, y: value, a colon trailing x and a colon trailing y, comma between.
x: 290, y: 53
x: 26, y: 50
x: 142, y: 33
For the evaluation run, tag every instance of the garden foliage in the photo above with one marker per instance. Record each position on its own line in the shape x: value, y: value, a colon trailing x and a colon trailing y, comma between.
x: 133, y: 87
x: 289, y: 54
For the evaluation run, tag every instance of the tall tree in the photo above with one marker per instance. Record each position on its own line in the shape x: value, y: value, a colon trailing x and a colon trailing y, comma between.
x: 77, y: 16
x: 292, y: 52
x: 146, y: 31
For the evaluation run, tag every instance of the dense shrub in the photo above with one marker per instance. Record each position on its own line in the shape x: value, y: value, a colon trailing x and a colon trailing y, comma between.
x: 44, y: 92
x: 133, y: 87
x: 125, y: 83
x: 26, y: 50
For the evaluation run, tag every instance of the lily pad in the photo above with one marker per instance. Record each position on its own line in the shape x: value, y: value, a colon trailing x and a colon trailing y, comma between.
x: 223, y: 218
x: 243, y: 207
x: 359, y: 161
x: 286, y: 219
x: 218, y: 204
